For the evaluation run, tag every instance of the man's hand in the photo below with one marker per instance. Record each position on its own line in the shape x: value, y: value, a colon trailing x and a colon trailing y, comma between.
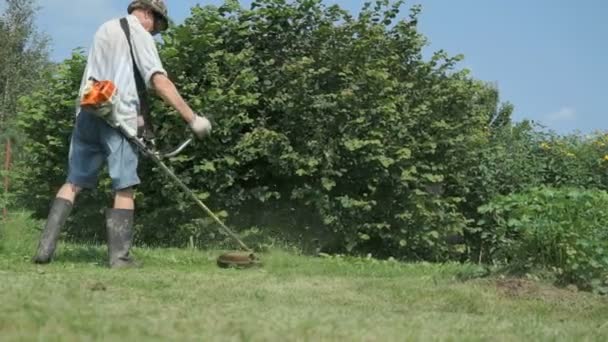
x: 201, y: 126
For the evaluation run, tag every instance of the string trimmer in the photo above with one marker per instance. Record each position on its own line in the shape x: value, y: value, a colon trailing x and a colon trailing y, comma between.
x: 244, y: 259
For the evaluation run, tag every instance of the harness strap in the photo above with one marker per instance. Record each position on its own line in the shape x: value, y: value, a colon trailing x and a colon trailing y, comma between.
x: 144, y: 130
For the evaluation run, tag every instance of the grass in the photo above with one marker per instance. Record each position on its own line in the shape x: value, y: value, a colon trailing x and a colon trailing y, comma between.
x: 182, y: 295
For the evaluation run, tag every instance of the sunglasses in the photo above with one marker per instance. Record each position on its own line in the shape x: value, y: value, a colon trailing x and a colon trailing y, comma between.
x: 158, y: 23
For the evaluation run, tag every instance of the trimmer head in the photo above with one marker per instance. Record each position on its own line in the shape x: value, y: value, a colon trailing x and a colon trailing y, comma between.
x: 238, y: 260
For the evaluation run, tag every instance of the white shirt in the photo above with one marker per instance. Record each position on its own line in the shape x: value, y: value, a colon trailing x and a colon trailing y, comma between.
x: 110, y: 59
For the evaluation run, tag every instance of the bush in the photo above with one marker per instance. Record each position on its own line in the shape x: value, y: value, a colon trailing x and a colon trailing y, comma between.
x: 562, y: 230
x: 329, y: 122
x: 575, y: 161
x: 328, y: 127
x: 507, y: 163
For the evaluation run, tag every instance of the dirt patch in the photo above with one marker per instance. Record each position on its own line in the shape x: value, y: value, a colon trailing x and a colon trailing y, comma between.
x: 517, y: 287
x: 531, y: 289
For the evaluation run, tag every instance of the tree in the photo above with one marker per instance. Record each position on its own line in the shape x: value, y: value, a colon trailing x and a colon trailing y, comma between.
x: 23, y: 61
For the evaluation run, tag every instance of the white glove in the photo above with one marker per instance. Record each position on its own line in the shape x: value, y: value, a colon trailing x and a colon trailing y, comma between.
x: 200, y: 126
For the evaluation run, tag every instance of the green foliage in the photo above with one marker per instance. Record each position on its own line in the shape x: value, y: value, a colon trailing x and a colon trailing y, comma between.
x: 6, y: 198
x: 23, y: 57
x: 333, y: 120
x: 574, y: 160
x: 24, y: 67
x: 46, y: 117
x: 563, y: 230
x: 328, y: 128
x: 508, y: 163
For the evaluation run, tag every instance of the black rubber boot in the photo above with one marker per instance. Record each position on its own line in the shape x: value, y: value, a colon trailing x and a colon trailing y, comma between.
x: 60, y: 210
x: 119, y: 224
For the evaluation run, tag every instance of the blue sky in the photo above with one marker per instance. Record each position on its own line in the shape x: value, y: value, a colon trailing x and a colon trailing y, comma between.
x: 547, y: 57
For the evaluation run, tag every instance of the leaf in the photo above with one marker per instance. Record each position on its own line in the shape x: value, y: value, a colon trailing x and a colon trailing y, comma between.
x: 385, y: 161
x: 364, y: 237
x: 404, y: 154
x: 409, y: 174
x: 327, y: 183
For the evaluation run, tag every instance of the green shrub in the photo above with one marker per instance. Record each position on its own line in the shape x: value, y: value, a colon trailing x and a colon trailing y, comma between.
x: 574, y: 160
x: 563, y: 230
x: 327, y: 127
x: 508, y: 163
x: 6, y: 197
x: 326, y: 121
x: 523, y: 155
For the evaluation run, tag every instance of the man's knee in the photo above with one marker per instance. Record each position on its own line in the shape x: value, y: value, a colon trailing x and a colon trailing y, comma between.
x: 125, y: 193
x: 69, y: 191
x: 74, y: 188
x: 123, y: 199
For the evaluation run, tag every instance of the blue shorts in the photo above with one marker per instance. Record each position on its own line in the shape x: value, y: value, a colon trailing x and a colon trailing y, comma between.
x: 93, y: 142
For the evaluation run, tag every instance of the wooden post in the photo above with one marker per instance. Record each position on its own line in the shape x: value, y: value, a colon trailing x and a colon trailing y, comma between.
x: 7, y: 168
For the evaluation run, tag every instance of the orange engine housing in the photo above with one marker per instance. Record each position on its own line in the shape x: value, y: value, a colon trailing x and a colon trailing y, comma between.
x: 98, y: 93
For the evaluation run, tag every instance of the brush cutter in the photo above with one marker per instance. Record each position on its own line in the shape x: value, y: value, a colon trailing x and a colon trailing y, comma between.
x: 243, y: 259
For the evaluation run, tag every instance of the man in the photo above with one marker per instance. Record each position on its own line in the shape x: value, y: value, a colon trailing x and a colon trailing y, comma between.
x: 94, y: 140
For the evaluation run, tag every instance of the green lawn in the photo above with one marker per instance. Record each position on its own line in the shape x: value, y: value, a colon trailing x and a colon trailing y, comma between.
x: 182, y: 295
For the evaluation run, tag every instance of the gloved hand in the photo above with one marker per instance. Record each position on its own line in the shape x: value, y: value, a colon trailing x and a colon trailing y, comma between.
x: 201, y: 126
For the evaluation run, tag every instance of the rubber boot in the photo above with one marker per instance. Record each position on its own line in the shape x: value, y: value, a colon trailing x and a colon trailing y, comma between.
x: 119, y: 224
x: 60, y: 210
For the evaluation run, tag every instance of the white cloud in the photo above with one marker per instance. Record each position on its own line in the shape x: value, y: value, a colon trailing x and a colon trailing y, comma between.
x: 564, y: 114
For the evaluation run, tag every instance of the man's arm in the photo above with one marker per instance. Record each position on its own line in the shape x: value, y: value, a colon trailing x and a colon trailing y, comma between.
x: 168, y: 92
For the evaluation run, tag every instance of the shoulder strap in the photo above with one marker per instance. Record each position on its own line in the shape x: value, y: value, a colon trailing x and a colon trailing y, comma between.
x: 144, y: 130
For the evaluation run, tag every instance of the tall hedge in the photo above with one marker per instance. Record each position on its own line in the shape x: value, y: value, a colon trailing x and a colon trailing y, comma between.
x: 329, y: 128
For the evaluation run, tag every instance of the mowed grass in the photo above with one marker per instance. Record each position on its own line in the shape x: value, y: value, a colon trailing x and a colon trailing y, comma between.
x: 181, y: 295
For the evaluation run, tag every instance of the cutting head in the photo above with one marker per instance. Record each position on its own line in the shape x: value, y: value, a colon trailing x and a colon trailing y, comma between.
x: 238, y: 260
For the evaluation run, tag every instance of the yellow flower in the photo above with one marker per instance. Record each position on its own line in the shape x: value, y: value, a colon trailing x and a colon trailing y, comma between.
x: 606, y: 157
x: 544, y: 146
x: 570, y: 154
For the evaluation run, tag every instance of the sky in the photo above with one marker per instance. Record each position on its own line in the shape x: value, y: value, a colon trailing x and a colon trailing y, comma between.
x: 547, y: 57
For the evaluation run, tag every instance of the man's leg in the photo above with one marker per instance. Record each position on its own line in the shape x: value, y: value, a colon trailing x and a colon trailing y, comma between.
x: 122, y: 161
x: 85, y: 160
x: 69, y: 192
x: 60, y: 210
x: 119, y: 223
x: 124, y: 199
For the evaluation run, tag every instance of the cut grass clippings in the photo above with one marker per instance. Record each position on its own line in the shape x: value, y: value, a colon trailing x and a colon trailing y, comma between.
x: 182, y: 295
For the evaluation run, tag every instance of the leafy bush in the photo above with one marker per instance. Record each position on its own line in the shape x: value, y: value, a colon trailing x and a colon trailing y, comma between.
x: 575, y: 160
x: 329, y: 121
x: 6, y: 198
x: 523, y: 155
x: 328, y: 127
x: 563, y: 230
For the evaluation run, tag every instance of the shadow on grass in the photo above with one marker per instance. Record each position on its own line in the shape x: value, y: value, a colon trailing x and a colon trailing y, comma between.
x: 83, y: 254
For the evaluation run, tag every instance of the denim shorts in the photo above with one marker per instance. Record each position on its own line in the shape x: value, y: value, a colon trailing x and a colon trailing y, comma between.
x: 93, y: 142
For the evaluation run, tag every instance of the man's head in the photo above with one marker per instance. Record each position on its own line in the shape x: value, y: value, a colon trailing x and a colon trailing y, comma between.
x: 152, y: 13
